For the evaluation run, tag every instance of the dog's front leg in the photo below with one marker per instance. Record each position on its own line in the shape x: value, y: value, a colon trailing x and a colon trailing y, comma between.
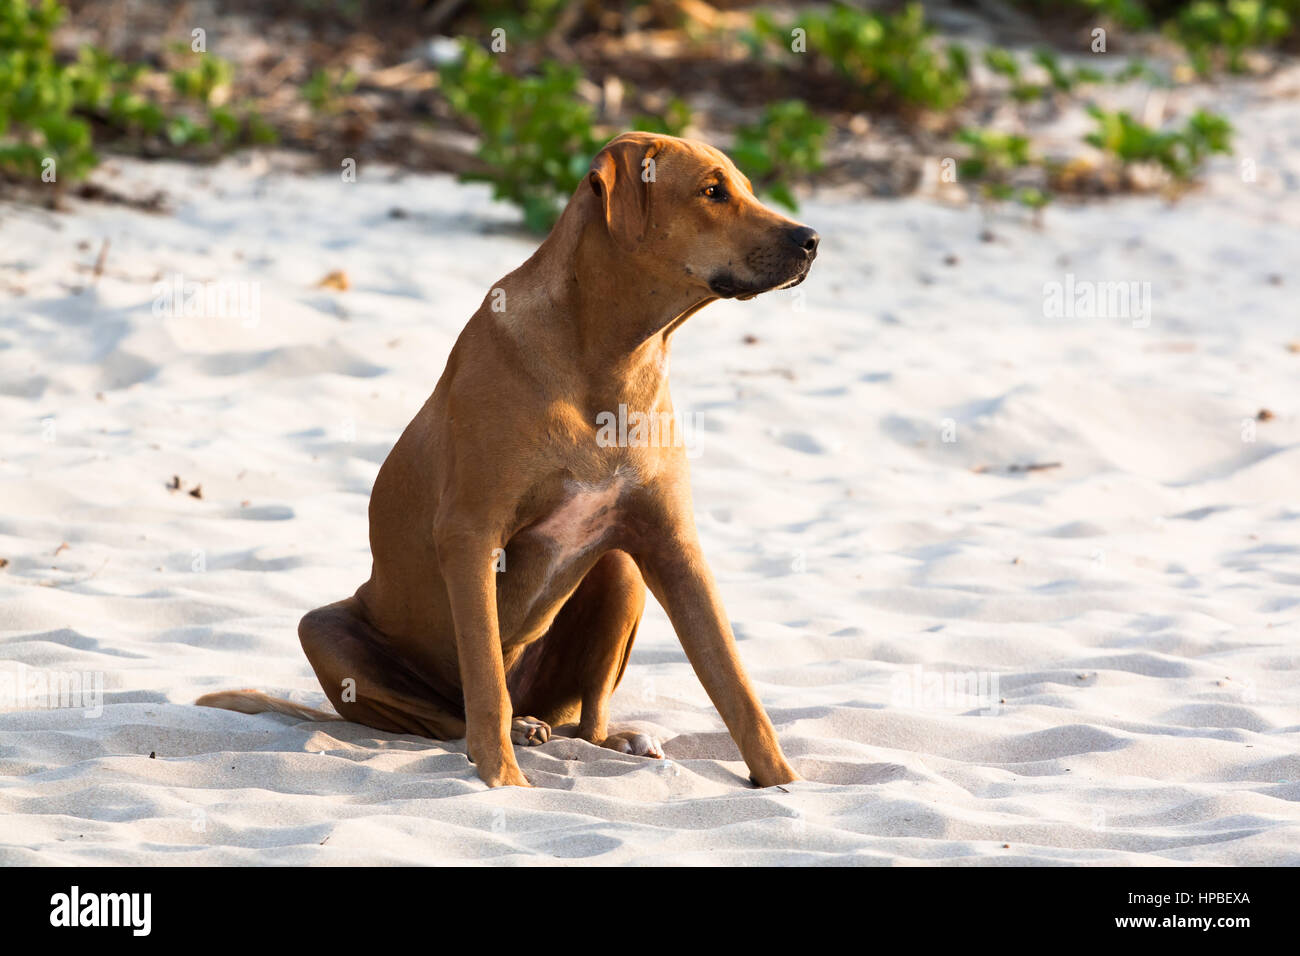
x: 681, y: 581
x: 467, y: 571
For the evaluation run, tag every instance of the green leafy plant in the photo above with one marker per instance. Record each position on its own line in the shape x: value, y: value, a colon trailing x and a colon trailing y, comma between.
x: 326, y: 89
x: 50, y: 110
x: 1214, y: 33
x: 1180, y: 152
x: 1061, y: 79
x: 891, y: 57
x: 201, y: 77
x: 1004, y: 63
x: 38, y: 95
x: 993, y: 161
x: 537, y: 137
x: 528, y: 20
x: 1139, y: 69
x: 672, y: 120
x: 786, y: 142
x: 1131, y: 14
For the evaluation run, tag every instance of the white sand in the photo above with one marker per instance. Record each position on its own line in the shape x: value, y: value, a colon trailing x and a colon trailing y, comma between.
x: 1137, y: 606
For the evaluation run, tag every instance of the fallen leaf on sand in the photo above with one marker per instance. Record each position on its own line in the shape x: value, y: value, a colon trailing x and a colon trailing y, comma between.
x: 337, y: 280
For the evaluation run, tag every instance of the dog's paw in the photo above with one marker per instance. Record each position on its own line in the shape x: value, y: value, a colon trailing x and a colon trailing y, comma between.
x: 506, y: 777
x: 529, y: 731
x: 638, y: 745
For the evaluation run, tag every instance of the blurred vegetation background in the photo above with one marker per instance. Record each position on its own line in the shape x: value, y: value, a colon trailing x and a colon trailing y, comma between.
x: 522, y: 94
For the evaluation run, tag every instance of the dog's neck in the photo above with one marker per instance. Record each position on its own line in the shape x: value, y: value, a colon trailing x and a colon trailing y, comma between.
x: 618, y: 332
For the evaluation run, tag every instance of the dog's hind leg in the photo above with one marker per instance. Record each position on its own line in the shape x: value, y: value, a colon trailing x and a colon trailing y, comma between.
x: 367, y: 683
x: 570, y: 673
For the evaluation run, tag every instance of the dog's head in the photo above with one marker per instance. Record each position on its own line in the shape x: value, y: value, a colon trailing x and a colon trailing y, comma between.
x: 688, y: 214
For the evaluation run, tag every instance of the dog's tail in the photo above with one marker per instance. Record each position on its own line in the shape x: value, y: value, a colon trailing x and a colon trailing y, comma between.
x: 255, y: 702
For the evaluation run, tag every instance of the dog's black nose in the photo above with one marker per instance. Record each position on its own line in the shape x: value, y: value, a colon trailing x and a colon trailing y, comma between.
x: 806, y: 239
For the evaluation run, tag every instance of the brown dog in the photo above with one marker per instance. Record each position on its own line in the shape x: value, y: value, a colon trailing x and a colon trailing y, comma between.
x: 512, y: 547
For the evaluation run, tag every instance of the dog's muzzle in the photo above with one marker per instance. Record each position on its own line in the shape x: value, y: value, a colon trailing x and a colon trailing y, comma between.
x: 796, y: 259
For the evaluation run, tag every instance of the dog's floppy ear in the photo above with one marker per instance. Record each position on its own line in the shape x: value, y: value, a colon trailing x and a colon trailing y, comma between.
x: 621, y: 178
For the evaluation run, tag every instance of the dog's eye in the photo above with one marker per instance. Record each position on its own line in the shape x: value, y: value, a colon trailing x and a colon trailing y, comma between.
x: 716, y: 192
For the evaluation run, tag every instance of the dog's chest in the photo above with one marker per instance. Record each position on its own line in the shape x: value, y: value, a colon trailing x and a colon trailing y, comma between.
x: 583, y: 517
x: 545, y: 561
